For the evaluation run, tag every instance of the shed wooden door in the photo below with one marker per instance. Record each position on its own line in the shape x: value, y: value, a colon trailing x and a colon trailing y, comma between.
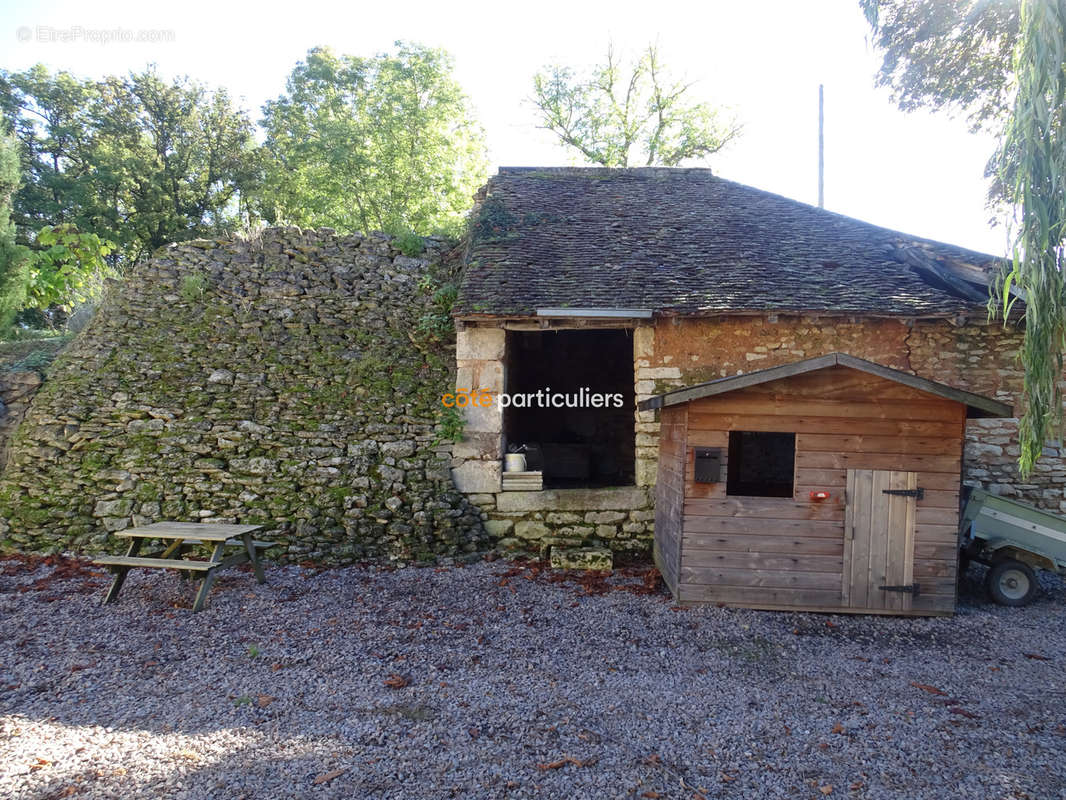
x: 878, y: 539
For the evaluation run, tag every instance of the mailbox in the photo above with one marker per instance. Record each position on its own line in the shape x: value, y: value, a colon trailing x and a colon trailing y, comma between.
x: 708, y: 464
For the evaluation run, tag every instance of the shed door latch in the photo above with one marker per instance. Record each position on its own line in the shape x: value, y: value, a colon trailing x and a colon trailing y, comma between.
x: 910, y: 588
x: 918, y: 493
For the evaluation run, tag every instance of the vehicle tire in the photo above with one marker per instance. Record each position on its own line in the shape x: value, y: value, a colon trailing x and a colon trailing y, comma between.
x: 1012, y: 583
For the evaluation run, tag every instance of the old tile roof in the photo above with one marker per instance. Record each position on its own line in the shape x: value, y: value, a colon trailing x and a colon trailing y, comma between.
x: 682, y: 241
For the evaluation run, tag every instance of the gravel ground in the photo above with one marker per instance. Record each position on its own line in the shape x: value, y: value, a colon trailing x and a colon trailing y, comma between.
x: 499, y: 680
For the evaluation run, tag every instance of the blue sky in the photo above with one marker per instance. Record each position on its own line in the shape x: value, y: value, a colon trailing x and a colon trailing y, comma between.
x: 920, y: 173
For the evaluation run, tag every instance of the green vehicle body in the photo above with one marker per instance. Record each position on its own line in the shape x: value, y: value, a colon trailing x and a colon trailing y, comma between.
x: 993, y: 528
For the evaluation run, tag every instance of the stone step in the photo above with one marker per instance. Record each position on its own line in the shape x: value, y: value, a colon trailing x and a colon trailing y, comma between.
x: 586, y: 558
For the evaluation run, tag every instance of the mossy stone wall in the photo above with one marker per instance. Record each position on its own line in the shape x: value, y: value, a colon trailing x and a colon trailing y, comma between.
x: 282, y: 380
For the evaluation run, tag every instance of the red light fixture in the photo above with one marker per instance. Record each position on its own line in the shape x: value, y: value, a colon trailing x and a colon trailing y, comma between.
x: 819, y: 495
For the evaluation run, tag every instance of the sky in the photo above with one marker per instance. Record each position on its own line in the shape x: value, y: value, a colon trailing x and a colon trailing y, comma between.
x: 920, y: 173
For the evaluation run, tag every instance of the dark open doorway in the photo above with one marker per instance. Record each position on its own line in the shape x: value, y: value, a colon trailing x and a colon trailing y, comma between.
x: 580, y: 430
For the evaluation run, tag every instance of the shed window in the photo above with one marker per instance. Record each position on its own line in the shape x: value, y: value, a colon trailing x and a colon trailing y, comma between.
x: 761, y: 464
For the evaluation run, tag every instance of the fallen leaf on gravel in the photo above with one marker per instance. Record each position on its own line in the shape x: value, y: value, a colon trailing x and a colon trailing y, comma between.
x: 838, y: 728
x: 856, y: 786
x: 962, y: 712
x: 651, y: 795
x: 562, y: 762
x: 826, y: 790
x: 726, y: 777
x: 326, y: 777
x: 189, y: 754
x: 1036, y: 656
x: 264, y: 700
x: 395, y: 681
x: 653, y: 759
x: 927, y: 688
x: 39, y: 763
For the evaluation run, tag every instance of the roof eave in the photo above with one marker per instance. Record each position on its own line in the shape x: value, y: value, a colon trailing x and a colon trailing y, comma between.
x: 977, y: 406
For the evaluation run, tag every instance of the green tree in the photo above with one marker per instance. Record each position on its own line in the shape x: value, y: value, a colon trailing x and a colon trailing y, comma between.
x: 1032, y: 166
x: 955, y: 55
x: 172, y: 161
x: 137, y: 160
x: 384, y: 143
x: 1004, y: 63
x: 14, y: 263
x: 50, y: 116
x: 65, y: 267
x: 622, y: 114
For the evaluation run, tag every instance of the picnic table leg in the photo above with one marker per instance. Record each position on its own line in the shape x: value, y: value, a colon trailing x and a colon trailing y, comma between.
x: 176, y: 550
x: 254, y: 556
x: 209, y: 578
x: 120, y: 573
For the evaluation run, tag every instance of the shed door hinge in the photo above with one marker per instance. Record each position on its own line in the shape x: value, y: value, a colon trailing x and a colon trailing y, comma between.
x: 918, y: 493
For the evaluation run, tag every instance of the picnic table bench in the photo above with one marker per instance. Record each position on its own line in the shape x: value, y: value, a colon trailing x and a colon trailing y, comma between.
x: 178, y: 538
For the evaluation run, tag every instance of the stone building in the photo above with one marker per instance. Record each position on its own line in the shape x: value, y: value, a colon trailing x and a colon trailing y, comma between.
x: 295, y: 379
x: 640, y: 281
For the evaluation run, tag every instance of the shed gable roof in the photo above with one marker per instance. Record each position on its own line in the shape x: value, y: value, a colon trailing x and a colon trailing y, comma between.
x: 682, y: 241
x: 976, y: 405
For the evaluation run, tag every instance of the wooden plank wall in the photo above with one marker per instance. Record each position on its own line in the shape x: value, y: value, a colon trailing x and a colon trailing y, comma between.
x: 669, y: 498
x: 769, y: 552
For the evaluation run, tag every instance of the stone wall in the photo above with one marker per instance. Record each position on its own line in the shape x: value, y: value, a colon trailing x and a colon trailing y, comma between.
x: 292, y: 380
x: 17, y: 389
x: 677, y: 352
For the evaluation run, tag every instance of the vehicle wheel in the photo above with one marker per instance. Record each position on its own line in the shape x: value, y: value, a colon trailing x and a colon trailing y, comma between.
x: 1011, y: 583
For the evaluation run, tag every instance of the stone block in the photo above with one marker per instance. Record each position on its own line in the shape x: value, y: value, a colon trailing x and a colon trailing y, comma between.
x: 483, y: 419
x: 563, y: 518
x: 482, y: 446
x: 529, y: 529
x: 623, y: 498
x: 583, y: 558
x: 477, y: 477
x: 602, y: 517
x: 113, y: 508
x: 658, y: 373
x: 646, y: 472
x: 480, y: 344
x: 498, y: 528
x: 490, y: 377
x: 644, y: 341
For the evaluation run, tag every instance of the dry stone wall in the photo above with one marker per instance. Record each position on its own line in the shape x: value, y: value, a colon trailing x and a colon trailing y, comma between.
x: 291, y: 380
x: 16, y: 391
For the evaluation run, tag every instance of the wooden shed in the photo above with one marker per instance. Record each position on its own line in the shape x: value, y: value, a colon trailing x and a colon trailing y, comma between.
x: 829, y: 484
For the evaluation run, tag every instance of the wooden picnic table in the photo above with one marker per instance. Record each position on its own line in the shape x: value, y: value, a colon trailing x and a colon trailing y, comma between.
x: 178, y: 538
